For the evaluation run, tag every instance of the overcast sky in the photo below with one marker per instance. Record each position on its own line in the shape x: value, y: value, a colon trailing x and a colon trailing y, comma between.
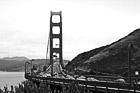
x: 87, y: 24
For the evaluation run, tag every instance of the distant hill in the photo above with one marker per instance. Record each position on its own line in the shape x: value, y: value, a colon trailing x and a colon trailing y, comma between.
x: 15, y: 58
x: 112, y: 58
x: 18, y: 64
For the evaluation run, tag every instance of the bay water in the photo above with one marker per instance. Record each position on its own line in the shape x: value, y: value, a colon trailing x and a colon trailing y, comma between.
x: 11, y: 78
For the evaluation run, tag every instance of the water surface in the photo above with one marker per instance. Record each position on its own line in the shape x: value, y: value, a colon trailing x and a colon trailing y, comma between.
x: 11, y: 78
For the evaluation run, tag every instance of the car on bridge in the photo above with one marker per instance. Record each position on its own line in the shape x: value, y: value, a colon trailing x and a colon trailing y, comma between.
x: 81, y: 78
x: 92, y: 79
x: 120, y: 80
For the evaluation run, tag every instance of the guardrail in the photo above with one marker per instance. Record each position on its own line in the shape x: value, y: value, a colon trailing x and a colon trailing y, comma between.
x: 92, y: 85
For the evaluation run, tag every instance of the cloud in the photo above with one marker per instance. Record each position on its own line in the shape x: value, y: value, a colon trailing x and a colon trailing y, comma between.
x: 24, y: 24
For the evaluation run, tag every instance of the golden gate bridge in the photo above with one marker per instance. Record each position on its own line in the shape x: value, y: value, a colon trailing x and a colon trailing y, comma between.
x: 57, y: 76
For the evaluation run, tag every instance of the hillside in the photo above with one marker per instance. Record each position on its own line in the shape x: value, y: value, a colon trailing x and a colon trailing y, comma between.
x: 113, y: 58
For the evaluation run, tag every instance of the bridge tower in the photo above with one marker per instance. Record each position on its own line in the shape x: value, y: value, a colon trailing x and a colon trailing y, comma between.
x: 55, y: 38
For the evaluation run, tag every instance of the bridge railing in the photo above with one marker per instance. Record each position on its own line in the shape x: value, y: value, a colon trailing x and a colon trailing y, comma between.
x: 92, y: 84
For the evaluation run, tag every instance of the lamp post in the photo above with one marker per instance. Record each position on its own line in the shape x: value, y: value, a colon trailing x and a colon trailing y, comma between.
x: 32, y: 62
x: 136, y: 74
x: 32, y: 65
x: 26, y: 67
x: 130, y: 46
x: 97, y: 68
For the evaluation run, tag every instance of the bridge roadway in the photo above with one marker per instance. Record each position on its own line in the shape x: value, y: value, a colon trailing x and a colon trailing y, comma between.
x: 94, y: 86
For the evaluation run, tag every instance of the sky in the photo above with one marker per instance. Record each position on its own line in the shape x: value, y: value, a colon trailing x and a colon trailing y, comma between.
x: 87, y: 24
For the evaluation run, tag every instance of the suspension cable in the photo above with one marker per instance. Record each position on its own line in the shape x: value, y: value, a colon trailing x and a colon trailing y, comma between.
x: 47, y: 48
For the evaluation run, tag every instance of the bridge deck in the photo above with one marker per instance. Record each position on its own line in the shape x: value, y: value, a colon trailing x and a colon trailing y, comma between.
x: 103, y: 86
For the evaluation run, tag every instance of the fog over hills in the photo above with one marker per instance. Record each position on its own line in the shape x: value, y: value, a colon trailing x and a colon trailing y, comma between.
x: 112, y: 58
